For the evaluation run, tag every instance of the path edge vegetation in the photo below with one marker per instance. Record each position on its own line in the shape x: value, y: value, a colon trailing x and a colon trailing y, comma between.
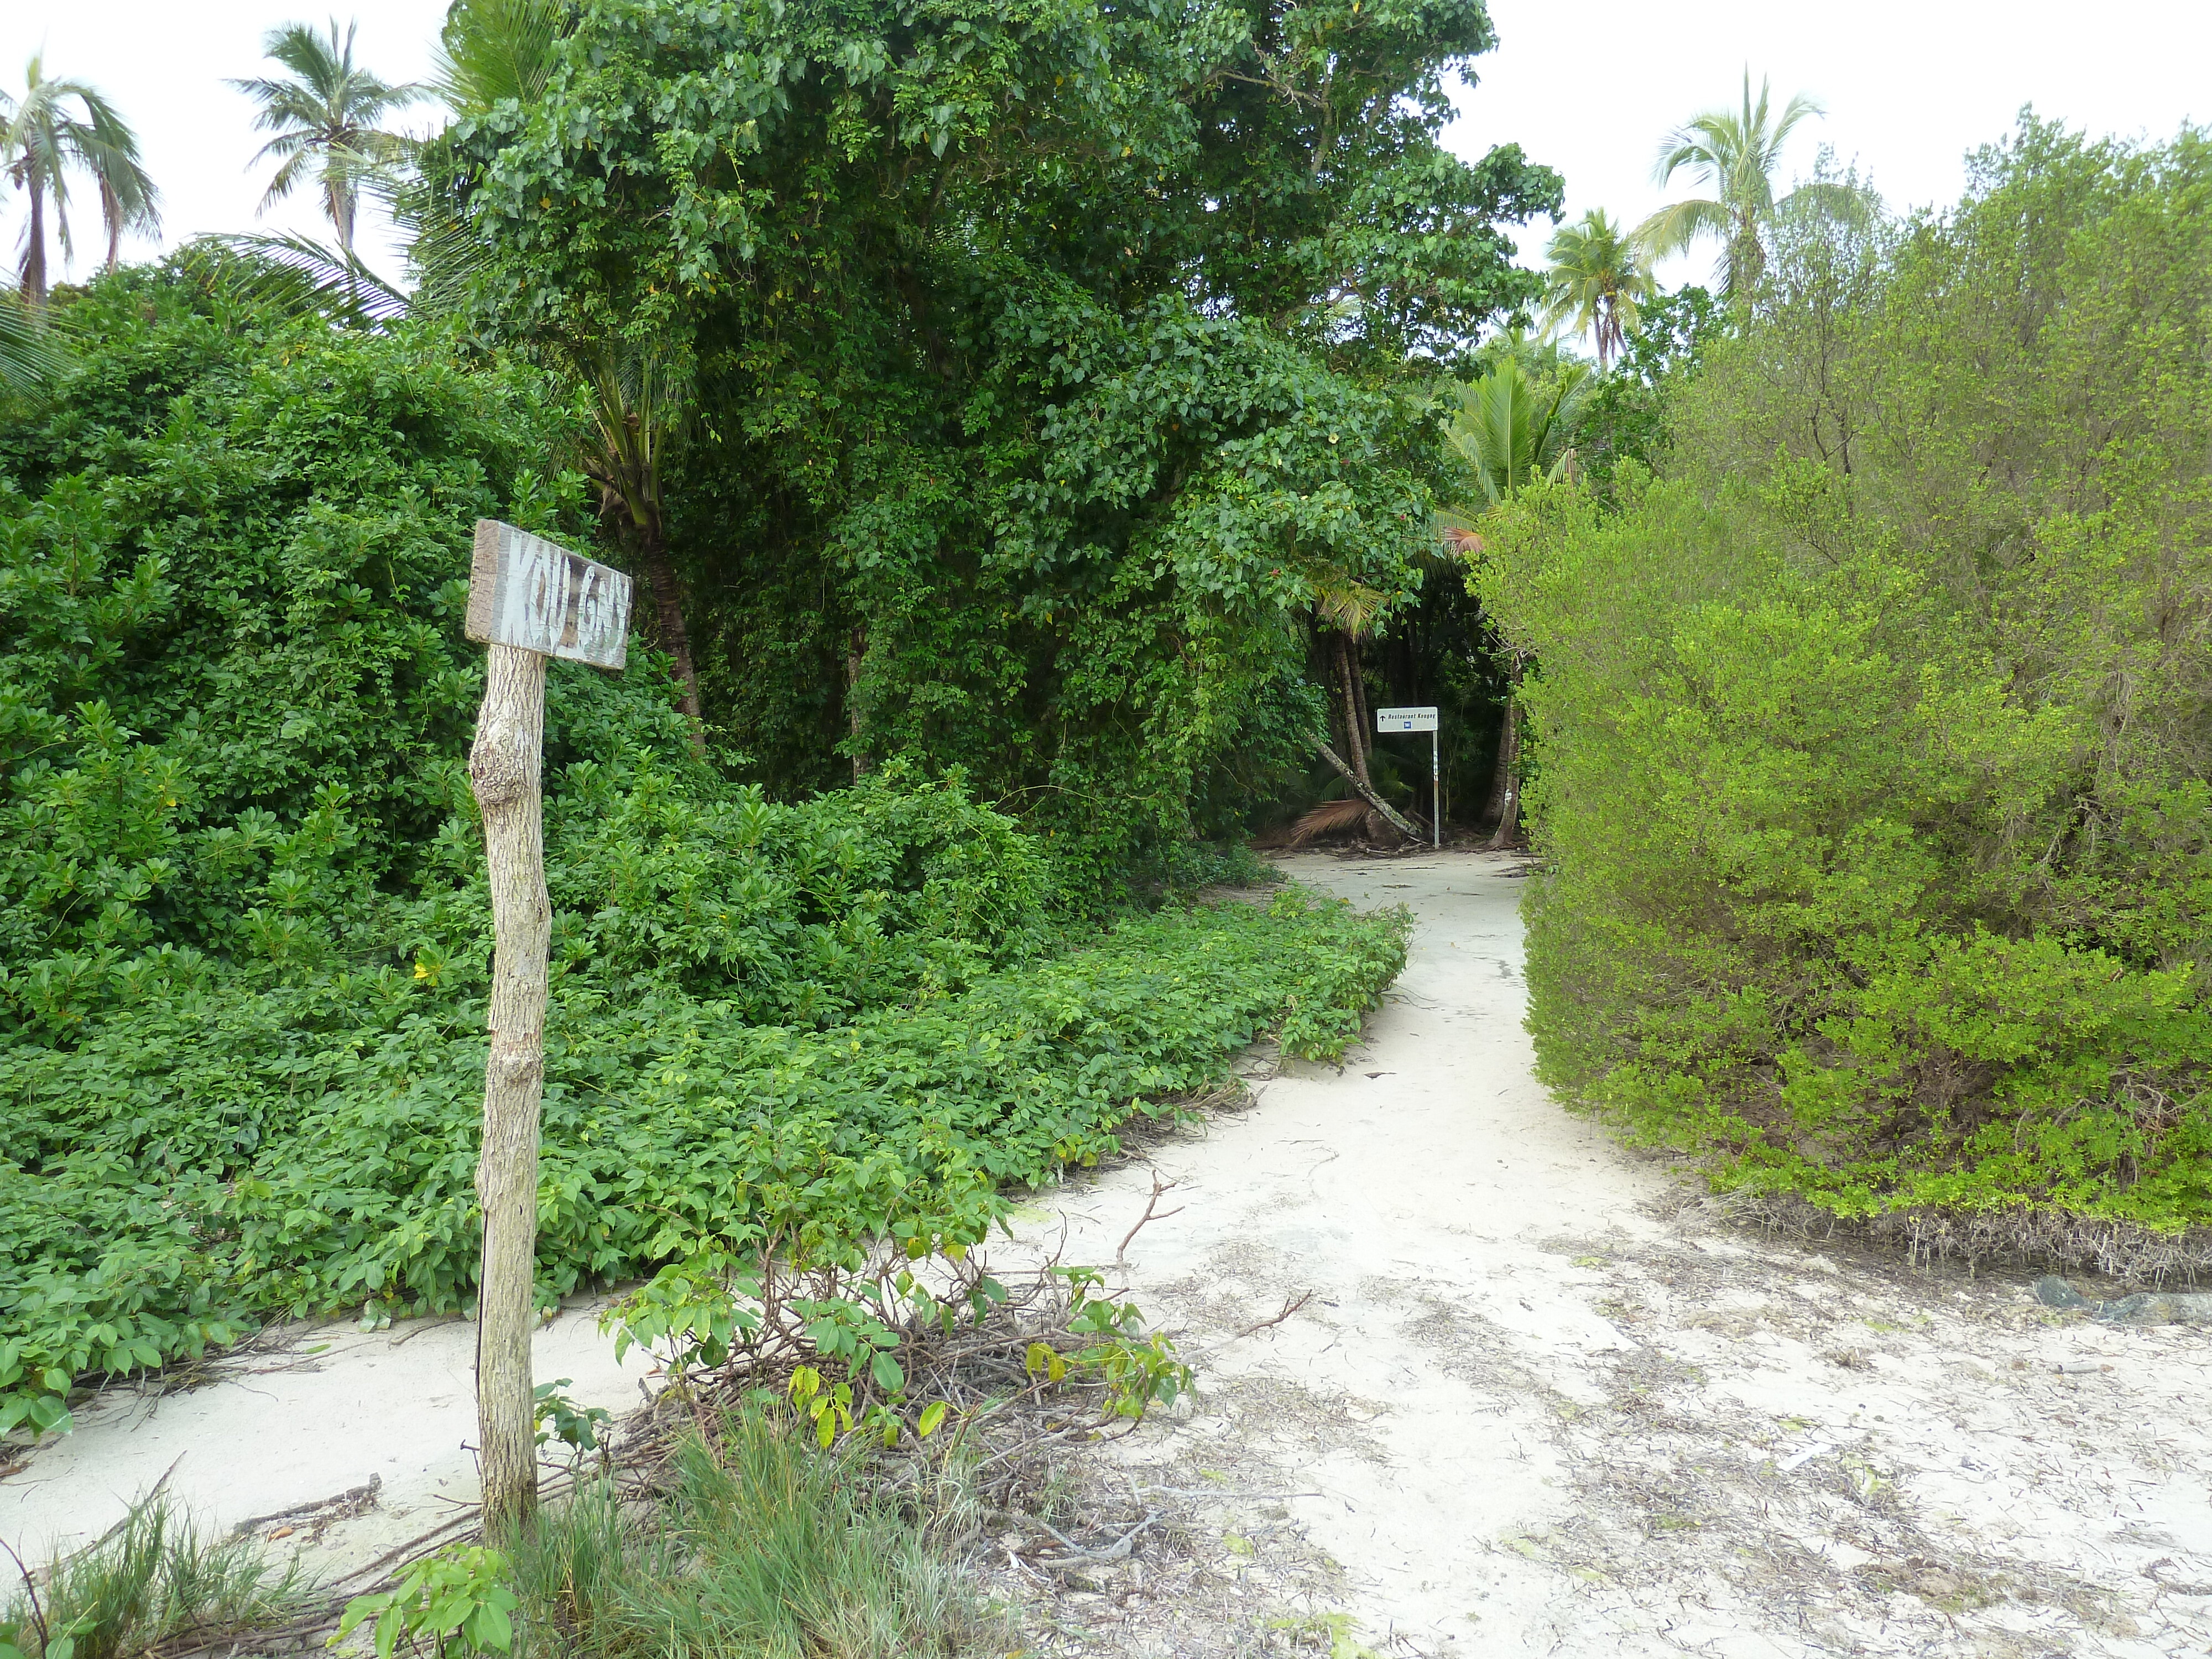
x: 1868, y: 734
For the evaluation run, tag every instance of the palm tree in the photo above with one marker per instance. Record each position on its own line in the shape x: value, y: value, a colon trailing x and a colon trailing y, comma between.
x: 640, y: 402
x: 42, y: 139
x: 1508, y: 429
x: 490, y: 51
x: 328, y: 113
x: 1733, y: 154
x: 1596, y: 282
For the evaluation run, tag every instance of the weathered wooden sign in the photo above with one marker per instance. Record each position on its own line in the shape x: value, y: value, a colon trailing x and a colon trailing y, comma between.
x: 535, y: 595
x: 530, y: 601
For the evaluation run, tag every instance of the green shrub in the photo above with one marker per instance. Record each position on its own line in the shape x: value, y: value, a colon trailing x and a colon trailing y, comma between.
x: 1872, y: 746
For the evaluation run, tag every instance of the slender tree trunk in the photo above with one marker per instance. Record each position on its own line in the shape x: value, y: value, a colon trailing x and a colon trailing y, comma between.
x: 1505, y: 778
x: 856, y: 656
x: 668, y: 614
x: 1355, y: 734
x: 504, y: 768
x: 35, y: 247
x: 1359, y: 696
x: 111, y: 210
x: 1360, y: 730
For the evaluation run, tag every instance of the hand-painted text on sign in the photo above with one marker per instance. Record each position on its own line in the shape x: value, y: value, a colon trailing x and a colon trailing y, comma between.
x: 526, y: 591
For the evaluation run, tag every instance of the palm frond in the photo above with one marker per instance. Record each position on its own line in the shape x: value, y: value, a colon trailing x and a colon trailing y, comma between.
x: 1331, y: 817
x: 1341, y: 600
x: 32, y: 354
x: 298, y: 275
x: 1674, y: 228
x: 1798, y: 109
x: 491, y: 51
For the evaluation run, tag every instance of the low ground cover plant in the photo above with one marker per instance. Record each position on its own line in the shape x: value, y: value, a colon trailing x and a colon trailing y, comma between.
x: 1873, y: 744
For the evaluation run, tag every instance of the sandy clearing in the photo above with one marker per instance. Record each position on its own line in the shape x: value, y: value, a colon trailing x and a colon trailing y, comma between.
x: 1540, y: 1401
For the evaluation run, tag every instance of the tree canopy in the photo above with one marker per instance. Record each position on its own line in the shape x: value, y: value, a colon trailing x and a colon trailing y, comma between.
x: 1045, y: 357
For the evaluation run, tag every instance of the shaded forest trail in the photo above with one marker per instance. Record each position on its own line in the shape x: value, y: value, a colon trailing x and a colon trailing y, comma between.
x: 1541, y: 1398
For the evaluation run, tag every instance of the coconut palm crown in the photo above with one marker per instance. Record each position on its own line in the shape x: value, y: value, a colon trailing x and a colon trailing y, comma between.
x: 1510, y: 429
x: 1595, y: 281
x: 325, y: 115
x: 1733, y: 154
x: 62, y: 126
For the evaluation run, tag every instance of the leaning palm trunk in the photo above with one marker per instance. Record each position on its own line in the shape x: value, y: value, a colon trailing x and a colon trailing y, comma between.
x: 1377, y: 807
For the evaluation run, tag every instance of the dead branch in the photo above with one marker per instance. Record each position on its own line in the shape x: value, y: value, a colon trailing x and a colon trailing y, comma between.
x: 1289, y: 1307
x: 1151, y: 1213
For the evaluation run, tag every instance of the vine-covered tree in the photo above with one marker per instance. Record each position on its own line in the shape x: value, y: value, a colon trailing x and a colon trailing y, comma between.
x: 1045, y: 358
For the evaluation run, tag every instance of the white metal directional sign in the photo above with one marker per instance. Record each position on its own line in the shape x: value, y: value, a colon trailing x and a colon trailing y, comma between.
x: 1405, y: 720
x: 527, y: 592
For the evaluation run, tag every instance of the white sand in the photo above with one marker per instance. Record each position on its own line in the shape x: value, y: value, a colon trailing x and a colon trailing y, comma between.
x: 1537, y: 1404
x: 317, y: 1411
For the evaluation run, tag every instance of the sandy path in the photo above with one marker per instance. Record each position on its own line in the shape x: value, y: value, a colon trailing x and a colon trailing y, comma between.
x: 307, y: 1418
x: 1539, y: 1403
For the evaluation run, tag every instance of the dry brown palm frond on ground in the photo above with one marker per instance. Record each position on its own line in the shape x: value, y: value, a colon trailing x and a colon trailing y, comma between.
x: 1331, y: 817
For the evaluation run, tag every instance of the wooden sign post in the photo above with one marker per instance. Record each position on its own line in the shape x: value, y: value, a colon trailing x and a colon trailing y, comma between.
x: 528, y: 600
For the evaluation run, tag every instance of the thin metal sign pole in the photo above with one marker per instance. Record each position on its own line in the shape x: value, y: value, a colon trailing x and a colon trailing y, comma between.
x: 1436, y: 792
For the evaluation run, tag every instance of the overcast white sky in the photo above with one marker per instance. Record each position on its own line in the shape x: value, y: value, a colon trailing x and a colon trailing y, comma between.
x: 1908, y: 85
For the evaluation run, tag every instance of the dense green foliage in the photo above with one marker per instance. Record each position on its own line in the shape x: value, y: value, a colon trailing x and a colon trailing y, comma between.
x: 1044, y: 361
x: 1624, y: 418
x: 1875, y: 737
x: 246, y: 940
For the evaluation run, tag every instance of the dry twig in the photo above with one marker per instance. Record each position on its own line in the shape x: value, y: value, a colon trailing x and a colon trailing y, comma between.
x: 1153, y: 1212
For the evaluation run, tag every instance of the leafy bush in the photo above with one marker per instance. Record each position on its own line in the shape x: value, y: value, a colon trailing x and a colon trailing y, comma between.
x: 1874, y: 747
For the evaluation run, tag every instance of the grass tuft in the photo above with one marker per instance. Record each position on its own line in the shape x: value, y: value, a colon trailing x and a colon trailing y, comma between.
x: 156, y: 1582
x: 764, y: 1547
